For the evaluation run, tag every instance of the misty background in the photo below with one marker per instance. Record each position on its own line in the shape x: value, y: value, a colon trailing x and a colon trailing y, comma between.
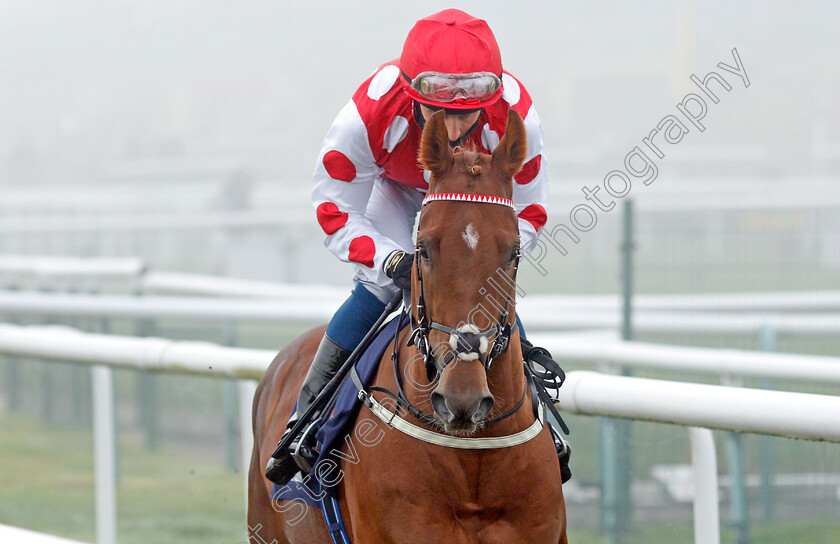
x: 114, y: 111
x: 90, y: 89
x: 182, y: 135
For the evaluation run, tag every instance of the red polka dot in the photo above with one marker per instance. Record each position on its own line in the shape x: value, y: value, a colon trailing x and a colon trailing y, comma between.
x: 529, y: 171
x: 534, y: 214
x: 330, y: 218
x: 362, y: 250
x: 339, y: 166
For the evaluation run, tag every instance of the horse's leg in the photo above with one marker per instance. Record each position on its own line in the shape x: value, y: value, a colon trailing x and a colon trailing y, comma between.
x: 286, y: 522
x: 282, y: 522
x: 263, y: 523
x: 564, y: 538
x: 303, y: 525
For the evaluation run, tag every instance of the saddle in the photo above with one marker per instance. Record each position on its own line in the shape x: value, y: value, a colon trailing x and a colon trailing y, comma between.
x: 330, y: 426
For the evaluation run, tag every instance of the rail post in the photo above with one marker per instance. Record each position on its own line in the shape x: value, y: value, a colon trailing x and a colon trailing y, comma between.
x: 706, y: 498
x: 47, y: 371
x: 105, y: 454
x: 738, y: 507
x: 247, y: 389
x: 615, y: 435
x: 229, y: 405
x: 767, y: 342
x: 147, y: 399
x: 12, y: 372
x: 738, y: 491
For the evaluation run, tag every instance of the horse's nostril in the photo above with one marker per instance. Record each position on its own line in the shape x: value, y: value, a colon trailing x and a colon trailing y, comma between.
x: 484, y: 408
x: 439, y: 405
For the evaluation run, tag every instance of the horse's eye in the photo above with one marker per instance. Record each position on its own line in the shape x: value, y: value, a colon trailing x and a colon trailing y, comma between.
x: 421, y: 250
x: 514, y: 254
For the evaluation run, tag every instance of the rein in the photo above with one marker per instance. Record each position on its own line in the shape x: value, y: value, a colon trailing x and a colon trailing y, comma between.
x: 467, y: 343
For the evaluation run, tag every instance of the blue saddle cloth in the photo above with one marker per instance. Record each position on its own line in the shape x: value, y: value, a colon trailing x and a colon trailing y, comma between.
x: 325, y: 476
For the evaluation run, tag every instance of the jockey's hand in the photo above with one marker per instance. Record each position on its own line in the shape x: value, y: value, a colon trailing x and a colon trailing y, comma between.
x: 398, y: 268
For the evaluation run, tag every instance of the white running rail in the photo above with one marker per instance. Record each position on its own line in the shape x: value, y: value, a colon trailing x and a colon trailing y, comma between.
x: 16, y: 535
x: 719, y: 362
x: 310, y: 307
x: 133, y: 268
x: 797, y: 415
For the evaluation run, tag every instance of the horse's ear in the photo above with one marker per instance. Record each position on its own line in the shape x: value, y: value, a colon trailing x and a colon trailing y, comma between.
x: 513, y: 148
x: 435, y: 153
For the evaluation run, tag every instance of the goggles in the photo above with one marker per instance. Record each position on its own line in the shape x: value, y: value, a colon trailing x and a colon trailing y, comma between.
x: 445, y: 88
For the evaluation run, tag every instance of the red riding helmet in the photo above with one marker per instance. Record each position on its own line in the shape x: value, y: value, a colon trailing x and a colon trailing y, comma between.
x: 451, y: 60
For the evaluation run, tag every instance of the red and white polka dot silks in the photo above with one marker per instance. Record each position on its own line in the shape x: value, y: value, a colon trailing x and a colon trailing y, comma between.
x: 374, y: 138
x: 362, y: 249
x: 330, y: 218
x: 535, y: 215
x: 338, y: 166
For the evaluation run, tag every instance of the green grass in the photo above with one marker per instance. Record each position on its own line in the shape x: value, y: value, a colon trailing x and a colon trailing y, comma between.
x: 814, y: 531
x: 46, y: 484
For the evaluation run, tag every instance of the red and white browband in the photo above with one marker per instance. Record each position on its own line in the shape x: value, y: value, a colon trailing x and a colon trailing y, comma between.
x: 463, y: 197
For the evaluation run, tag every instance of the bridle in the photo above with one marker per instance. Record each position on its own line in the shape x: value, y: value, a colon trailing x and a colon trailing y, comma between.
x: 467, y: 342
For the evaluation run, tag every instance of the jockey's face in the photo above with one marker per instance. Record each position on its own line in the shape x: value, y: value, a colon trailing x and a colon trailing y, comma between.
x: 457, y: 125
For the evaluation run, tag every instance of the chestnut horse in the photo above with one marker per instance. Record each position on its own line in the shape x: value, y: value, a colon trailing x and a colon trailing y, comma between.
x: 406, y: 490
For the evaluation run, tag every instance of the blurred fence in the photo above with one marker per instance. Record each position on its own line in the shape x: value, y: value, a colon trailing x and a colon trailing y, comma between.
x: 693, y: 235
x: 584, y: 393
x: 766, y: 249
x: 766, y: 318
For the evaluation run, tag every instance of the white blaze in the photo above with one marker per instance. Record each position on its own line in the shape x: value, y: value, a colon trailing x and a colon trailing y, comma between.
x: 471, y: 236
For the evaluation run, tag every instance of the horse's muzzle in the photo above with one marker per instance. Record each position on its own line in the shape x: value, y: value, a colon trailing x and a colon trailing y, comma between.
x: 461, y: 414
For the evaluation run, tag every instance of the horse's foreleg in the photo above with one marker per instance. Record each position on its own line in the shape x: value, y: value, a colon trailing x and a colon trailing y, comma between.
x: 263, y: 522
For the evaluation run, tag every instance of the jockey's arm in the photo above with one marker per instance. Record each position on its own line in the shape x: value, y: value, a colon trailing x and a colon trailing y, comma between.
x: 530, y: 187
x: 343, y: 180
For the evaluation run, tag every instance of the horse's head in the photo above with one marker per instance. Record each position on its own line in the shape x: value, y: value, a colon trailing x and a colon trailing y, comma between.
x: 463, y: 278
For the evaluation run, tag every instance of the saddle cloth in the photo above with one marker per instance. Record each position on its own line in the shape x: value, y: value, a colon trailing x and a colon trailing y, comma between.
x: 324, y: 478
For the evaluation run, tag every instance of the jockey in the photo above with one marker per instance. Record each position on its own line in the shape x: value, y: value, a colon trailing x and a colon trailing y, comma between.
x: 369, y: 188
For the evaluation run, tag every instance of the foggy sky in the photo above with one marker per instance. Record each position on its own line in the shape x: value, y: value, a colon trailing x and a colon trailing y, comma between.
x: 90, y: 86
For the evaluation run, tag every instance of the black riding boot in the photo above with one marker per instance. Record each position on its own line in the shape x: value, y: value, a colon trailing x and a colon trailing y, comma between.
x: 542, y: 357
x: 300, y: 455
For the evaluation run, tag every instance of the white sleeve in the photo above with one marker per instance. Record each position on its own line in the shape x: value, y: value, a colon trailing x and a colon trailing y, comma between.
x: 530, y: 186
x: 344, y: 176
